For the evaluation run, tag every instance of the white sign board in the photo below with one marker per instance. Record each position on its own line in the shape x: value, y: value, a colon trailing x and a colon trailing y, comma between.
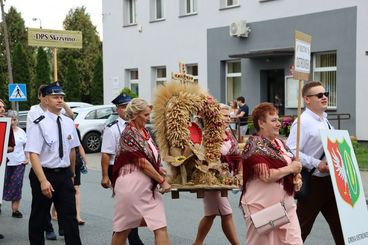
x: 302, y: 56
x: 5, y: 123
x: 347, y: 185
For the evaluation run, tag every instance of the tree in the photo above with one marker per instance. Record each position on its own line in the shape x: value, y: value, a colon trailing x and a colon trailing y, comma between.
x: 129, y: 92
x: 78, y: 20
x: 21, y: 72
x: 97, y: 83
x: 72, y: 82
x: 43, y: 73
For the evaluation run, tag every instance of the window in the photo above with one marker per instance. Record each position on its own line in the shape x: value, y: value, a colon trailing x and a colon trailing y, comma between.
x: 192, y: 69
x: 133, y: 81
x: 129, y: 7
x: 157, y: 10
x: 103, y: 113
x: 233, y: 80
x: 160, y: 75
x: 229, y: 3
x: 324, y: 70
x: 188, y: 7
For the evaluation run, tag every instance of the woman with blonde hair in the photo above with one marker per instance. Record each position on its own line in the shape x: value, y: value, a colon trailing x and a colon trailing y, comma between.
x: 136, y: 175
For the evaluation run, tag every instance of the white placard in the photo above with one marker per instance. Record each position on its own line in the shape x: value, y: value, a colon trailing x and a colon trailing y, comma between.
x: 302, y: 56
x: 347, y: 185
x: 291, y: 92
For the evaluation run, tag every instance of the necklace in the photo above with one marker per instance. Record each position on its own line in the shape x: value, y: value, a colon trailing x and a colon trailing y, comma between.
x: 143, y: 132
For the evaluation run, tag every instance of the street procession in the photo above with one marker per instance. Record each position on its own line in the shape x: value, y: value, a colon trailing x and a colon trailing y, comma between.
x: 183, y: 122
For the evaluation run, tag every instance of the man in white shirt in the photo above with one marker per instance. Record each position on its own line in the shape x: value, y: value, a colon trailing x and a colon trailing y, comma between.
x: 35, y: 112
x: 50, y: 142
x: 321, y: 196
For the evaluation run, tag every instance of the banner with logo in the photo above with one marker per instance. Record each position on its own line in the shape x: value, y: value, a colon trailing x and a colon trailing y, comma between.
x: 347, y: 184
x: 5, y: 123
x: 54, y: 38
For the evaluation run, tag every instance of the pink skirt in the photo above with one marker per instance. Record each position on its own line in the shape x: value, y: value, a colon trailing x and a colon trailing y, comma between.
x: 135, y: 203
x: 214, y: 204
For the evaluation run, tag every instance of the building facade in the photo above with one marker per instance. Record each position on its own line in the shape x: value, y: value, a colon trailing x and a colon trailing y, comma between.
x: 238, y: 47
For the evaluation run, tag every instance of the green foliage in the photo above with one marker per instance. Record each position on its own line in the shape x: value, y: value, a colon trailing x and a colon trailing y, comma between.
x: 72, y: 82
x: 21, y: 72
x: 97, y: 83
x: 361, y: 153
x: 43, y: 73
x: 129, y: 92
x: 78, y: 20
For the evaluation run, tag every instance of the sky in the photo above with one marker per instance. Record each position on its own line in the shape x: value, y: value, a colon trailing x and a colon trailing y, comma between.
x: 52, y: 12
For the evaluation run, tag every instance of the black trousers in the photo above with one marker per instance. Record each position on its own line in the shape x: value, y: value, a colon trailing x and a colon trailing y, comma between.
x: 321, y: 198
x: 133, y: 236
x: 63, y: 198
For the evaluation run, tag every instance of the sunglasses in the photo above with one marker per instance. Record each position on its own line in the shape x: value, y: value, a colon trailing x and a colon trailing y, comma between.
x: 320, y: 95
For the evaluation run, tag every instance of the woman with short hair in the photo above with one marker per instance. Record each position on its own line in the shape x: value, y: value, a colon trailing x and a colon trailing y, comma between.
x: 270, y: 175
x: 14, y: 173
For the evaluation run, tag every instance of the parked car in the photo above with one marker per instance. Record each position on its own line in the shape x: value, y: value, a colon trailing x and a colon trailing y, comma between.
x: 78, y: 104
x: 89, y: 122
x: 22, y: 119
x: 150, y: 127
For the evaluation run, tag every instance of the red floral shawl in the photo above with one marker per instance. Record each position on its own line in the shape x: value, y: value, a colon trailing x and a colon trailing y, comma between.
x: 132, y: 148
x: 233, y: 157
x: 260, y: 151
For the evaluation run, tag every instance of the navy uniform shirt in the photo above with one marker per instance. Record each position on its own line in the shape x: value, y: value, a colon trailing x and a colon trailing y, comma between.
x: 43, y: 139
x: 111, y: 137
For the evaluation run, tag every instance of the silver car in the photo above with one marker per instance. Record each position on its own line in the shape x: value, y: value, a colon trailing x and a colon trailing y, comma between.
x: 89, y: 122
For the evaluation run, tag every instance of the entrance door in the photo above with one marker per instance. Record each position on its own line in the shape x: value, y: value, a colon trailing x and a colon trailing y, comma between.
x: 274, y: 84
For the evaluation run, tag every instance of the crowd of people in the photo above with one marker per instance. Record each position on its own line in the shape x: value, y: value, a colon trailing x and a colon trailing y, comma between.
x: 131, y: 166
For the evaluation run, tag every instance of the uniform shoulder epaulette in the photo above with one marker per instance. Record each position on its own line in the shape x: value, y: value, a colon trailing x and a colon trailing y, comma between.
x: 39, y: 119
x: 112, y: 123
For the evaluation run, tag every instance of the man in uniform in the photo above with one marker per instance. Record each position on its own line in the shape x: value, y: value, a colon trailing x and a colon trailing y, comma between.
x: 50, y: 143
x: 110, y: 142
x: 34, y: 112
x: 321, y: 197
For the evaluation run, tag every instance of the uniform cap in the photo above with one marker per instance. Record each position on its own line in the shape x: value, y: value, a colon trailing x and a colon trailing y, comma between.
x: 121, y: 99
x: 54, y: 88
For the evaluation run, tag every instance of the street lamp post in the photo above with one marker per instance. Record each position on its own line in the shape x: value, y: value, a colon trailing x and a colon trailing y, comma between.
x: 34, y: 19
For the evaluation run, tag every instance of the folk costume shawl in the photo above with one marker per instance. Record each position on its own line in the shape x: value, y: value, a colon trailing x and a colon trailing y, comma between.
x: 260, y: 154
x: 133, y: 149
x: 233, y: 157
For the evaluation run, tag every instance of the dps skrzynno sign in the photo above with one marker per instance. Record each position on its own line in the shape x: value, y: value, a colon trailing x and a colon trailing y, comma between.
x: 302, y: 56
x: 54, y: 38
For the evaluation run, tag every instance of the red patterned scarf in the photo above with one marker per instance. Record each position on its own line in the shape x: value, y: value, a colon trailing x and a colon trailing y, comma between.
x: 260, y: 153
x: 132, y: 149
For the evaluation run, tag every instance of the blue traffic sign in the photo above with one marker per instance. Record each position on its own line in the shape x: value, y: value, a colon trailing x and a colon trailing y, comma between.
x: 17, y: 92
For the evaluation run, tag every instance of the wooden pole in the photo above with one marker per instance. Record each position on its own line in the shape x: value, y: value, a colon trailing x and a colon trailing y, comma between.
x: 54, y: 55
x: 298, y: 120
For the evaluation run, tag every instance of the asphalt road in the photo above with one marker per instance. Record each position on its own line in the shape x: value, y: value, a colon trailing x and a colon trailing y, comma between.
x: 182, y: 214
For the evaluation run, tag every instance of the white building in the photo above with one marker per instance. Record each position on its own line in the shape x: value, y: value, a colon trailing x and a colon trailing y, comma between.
x: 144, y: 40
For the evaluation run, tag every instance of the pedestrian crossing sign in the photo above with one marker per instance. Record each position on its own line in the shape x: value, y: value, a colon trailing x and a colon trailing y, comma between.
x: 17, y: 92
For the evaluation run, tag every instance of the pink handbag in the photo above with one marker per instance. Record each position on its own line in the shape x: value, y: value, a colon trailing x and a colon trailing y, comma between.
x: 270, y: 218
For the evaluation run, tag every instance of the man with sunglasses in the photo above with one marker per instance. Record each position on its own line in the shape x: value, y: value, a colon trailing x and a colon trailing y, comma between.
x: 321, y: 196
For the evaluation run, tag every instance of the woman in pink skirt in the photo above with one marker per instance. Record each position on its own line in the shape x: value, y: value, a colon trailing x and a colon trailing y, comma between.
x: 214, y: 204
x: 270, y: 176
x: 136, y: 174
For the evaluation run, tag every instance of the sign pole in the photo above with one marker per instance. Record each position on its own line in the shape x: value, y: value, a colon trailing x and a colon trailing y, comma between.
x: 298, y: 125
x: 54, y: 52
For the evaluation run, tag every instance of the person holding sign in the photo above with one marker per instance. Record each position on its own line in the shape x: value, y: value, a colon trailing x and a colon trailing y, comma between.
x: 321, y: 196
x: 270, y: 177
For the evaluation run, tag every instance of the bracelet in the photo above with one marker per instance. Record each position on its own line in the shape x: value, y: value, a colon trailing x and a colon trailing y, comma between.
x: 162, y: 181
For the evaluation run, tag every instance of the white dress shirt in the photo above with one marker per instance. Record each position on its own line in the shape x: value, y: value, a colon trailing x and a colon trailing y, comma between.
x: 17, y: 157
x: 311, y: 148
x: 43, y: 139
x: 35, y: 112
x: 111, y: 137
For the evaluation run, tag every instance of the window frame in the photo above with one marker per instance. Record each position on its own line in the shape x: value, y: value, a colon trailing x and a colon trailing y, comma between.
x: 195, y: 77
x: 224, y: 4
x: 134, y: 81
x: 158, y: 80
x: 231, y: 75
x: 326, y: 69
x: 184, y: 7
x: 130, y: 12
x: 153, y: 11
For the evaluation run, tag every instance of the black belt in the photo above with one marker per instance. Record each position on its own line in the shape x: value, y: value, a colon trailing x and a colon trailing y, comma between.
x: 55, y: 170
